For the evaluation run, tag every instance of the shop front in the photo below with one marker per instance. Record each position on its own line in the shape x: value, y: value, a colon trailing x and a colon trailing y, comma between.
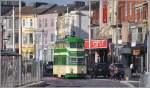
x: 138, y: 58
x: 97, y: 52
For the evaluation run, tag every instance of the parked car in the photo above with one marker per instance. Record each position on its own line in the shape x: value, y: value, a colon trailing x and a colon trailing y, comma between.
x: 100, y: 69
x: 48, y: 69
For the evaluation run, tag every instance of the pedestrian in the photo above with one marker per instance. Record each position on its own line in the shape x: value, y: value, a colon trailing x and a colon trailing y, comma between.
x: 111, y: 70
x: 132, y: 68
x: 116, y: 75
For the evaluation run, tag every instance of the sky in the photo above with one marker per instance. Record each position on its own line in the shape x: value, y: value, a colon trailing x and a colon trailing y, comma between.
x: 60, y: 2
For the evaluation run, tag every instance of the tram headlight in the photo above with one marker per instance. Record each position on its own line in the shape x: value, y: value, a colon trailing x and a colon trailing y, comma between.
x: 71, y: 71
x: 82, y: 70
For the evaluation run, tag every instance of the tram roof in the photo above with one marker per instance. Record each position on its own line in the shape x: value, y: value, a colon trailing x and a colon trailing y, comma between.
x: 71, y: 40
x: 74, y: 40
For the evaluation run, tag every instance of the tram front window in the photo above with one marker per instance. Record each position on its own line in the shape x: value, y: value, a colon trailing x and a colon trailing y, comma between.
x: 81, y: 61
x: 73, y: 60
x: 77, y: 61
x: 73, y: 45
x: 79, y: 45
x: 76, y: 45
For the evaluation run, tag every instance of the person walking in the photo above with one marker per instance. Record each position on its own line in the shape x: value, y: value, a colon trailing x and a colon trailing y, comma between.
x: 111, y: 70
x: 132, y: 68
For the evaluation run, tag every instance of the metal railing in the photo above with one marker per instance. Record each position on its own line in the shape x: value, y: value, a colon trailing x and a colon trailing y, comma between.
x: 17, y: 71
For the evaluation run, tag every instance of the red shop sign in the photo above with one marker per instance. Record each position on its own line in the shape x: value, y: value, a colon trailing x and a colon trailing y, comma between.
x: 96, y: 44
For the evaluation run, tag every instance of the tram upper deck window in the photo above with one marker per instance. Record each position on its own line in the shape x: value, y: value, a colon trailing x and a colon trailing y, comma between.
x: 76, y: 45
x: 73, y: 45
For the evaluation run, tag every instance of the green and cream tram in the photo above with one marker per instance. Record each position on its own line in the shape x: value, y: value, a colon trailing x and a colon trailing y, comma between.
x: 69, y: 59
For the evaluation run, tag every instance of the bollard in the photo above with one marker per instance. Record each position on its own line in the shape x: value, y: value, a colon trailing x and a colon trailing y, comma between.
x: 147, y: 80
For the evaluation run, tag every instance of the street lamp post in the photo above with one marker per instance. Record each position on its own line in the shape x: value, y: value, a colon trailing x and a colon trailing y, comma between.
x: 89, y: 29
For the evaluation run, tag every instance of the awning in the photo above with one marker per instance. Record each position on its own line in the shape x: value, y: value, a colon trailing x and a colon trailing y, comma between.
x: 125, y: 50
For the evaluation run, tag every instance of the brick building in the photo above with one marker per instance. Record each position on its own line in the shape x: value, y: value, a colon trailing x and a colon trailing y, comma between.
x: 133, y: 14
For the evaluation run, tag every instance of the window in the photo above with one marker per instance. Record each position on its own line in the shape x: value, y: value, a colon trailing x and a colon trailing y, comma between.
x: 30, y: 38
x: 141, y: 10
x: 131, y: 8
x: 73, y: 60
x: 81, y: 61
x: 126, y: 7
x: 16, y: 38
x: 45, y: 37
x: 135, y: 14
x: 24, y: 23
x: 31, y: 55
x: 25, y: 38
x: 134, y: 35
x: 52, y: 37
x: 79, y: 45
x: 45, y: 22
x: 60, y: 60
x: 73, y: 45
x: 140, y: 34
x: 52, y: 22
x: 31, y: 23
x: 10, y: 42
x: 16, y: 23
x: 10, y: 23
x: 120, y: 34
x: 40, y: 23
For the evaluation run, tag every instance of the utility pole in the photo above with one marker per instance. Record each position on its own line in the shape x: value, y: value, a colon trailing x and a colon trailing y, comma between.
x: 20, y: 42
x: 1, y: 45
x: 148, y: 38
x: 89, y: 2
x: 13, y: 30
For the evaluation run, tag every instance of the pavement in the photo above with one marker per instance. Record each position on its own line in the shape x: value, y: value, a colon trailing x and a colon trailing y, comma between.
x: 134, y: 81
x: 34, y: 84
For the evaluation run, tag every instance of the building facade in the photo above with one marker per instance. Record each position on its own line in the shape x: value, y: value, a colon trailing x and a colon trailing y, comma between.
x: 46, y: 36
